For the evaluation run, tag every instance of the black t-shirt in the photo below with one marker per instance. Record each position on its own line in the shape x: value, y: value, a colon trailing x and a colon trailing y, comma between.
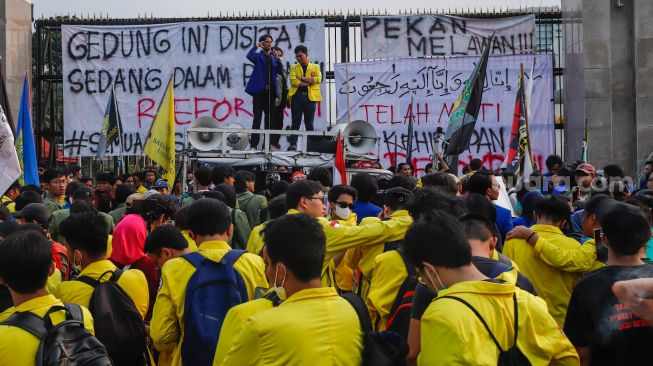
x: 488, y: 266
x: 596, y: 319
x: 303, y: 89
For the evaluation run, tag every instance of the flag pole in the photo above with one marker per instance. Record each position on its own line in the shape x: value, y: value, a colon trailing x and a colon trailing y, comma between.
x: 120, y: 136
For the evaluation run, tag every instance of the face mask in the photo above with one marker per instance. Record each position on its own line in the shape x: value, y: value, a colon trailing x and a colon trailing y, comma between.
x: 281, y: 292
x: 442, y: 286
x: 342, y: 213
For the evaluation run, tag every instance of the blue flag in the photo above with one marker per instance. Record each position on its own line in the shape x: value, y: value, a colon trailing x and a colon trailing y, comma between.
x: 25, y: 147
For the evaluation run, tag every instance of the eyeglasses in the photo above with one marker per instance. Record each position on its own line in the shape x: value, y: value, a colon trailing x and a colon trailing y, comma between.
x: 316, y: 198
x: 342, y: 204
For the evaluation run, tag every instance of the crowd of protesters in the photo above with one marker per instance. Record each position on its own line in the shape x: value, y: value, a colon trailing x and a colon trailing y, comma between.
x: 480, y: 269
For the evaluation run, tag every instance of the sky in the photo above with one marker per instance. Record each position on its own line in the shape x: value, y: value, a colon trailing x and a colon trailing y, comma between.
x: 202, y: 8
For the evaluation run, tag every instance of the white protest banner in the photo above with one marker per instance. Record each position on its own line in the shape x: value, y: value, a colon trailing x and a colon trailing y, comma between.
x: 207, y: 59
x: 402, y: 36
x: 380, y: 93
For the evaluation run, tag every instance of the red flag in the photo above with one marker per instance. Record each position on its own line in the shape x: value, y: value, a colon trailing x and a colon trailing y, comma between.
x: 340, y: 164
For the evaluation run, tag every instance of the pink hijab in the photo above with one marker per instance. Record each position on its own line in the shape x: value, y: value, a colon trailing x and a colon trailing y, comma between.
x: 129, y: 240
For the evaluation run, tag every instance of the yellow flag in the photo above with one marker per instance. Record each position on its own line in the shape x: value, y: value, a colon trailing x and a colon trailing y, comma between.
x: 160, y: 145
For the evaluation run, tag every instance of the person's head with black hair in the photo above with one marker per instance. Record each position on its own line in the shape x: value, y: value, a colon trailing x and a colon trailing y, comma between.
x: 301, y: 54
x: 223, y: 174
x: 83, y: 194
x: 428, y: 168
x: 321, y: 175
x: 341, y: 201
x: 613, y: 170
x: 244, y: 181
x: 13, y: 191
x: 82, y: 206
x: 25, y: 265
x: 295, y: 247
x: 209, y: 219
x: 88, y: 245
x: 164, y: 243
x: 552, y: 210
x: 429, y: 199
x: 593, y: 211
x: 405, y: 169
x: 395, y: 199
x: 277, y: 207
x: 139, y: 179
x: 158, y: 209
x: 436, y: 244
x: 626, y: 231
x: 87, y: 181
x: 55, y: 182
x: 7, y: 228
x: 72, y: 187
x: 26, y: 198
x: 478, y: 204
x: 228, y: 193
x: 276, y: 189
x: 404, y: 181
x: 306, y: 196
x: 475, y: 165
x: 553, y: 163
x: 75, y: 171
x: 480, y: 234
x: 202, y: 177
x: 619, y: 190
x: 150, y: 176
x: 484, y: 184
x: 365, y: 185
x: 104, y: 181
x: 181, y: 218
x: 442, y: 180
x: 644, y: 207
x: 35, y: 213
x: 123, y: 191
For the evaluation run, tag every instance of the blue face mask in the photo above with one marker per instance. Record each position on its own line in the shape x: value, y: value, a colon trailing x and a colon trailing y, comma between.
x: 442, y: 285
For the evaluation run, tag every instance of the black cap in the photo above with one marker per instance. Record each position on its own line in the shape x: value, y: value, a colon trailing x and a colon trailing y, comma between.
x: 36, y: 211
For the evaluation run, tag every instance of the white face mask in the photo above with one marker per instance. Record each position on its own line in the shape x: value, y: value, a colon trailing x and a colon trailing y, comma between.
x: 281, y: 292
x: 436, y: 288
x: 342, y: 213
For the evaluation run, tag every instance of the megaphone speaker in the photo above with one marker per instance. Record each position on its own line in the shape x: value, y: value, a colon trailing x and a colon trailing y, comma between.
x: 204, y: 141
x: 361, y: 137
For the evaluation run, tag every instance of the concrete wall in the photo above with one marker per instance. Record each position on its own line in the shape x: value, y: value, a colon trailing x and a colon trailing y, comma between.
x: 15, y: 46
x: 609, y: 80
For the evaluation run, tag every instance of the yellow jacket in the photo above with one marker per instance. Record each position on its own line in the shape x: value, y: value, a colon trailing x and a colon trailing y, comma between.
x: 389, y: 274
x: 191, y: 243
x: 312, y: 327
x: 17, y: 346
x: 11, y: 205
x: 255, y: 242
x: 552, y: 284
x: 167, y: 326
x: 233, y: 325
x: 132, y: 281
x: 343, y: 273
x: 363, y: 258
x: 453, y: 335
x: 313, y: 70
x: 581, y: 259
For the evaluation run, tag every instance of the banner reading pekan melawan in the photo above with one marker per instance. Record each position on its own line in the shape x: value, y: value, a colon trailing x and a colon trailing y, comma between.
x: 207, y: 60
x: 402, y: 36
x: 380, y: 92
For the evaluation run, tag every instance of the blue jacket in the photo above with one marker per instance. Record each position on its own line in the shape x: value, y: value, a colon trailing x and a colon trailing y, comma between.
x: 504, y: 221
x: 258, y: 79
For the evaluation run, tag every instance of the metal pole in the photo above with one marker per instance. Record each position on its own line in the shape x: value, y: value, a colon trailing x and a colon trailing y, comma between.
x: 184, y: 167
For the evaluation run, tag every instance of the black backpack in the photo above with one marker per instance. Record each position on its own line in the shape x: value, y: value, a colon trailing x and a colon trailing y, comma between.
x: 65, y: 344
x: 399, y: 319
x: 118, y: 324
x: 510, y: 357
x: 379, y: 348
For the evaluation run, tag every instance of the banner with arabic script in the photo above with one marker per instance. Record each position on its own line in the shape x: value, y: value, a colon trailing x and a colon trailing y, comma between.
x: 397, y: 36
x: 380, y: 92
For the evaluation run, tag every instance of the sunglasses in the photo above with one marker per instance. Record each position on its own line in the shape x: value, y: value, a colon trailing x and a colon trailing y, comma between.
x: 345, y: 205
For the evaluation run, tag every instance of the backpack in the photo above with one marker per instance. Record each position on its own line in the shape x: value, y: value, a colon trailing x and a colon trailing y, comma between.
x: 399, y: 319
x: 212, y: 290
x: 510, y: 357
x: 67, y: 343
x: 379, y: 348
x: 118, y: 324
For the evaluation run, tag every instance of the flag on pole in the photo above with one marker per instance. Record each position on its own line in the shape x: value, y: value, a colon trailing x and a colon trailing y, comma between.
x: 530, y: 165
x: 9, y: 165
x: 111, y: 126
x: 160, y: 144
x: 340, y: 171
x: 25, y: 146
x: 465, y: 110
x: 518, y: 159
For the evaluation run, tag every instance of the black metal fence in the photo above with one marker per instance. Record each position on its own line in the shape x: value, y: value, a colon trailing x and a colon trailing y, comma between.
x: 343, y: 38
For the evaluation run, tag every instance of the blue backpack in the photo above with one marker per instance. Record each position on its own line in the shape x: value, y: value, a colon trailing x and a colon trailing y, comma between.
x: 212, y: 290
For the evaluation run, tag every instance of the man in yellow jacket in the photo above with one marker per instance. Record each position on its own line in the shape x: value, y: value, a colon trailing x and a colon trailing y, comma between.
x: 477, y: 317
x: 313, y: 325
x: 210, y: 226
x: 25, y: 263
x: 304, y: 93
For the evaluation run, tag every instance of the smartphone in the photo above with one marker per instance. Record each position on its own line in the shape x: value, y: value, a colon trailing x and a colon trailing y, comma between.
x: 597, y: 236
